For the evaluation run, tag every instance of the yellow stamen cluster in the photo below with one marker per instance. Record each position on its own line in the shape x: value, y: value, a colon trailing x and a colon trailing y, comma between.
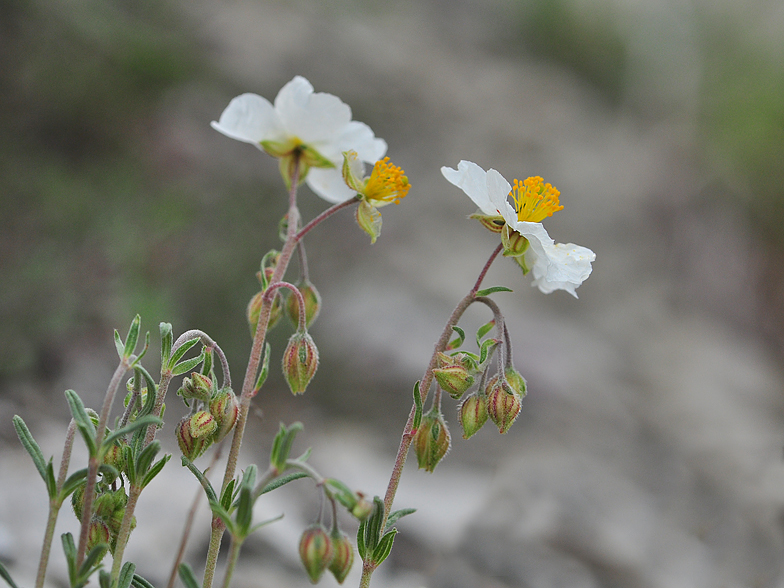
x: 534, y: 200
x: 387, y: 183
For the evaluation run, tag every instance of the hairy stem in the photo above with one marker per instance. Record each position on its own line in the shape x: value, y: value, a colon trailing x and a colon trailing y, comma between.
x: 125, y: 531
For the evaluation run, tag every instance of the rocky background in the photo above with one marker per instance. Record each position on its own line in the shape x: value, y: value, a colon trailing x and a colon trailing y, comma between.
x: 649, y: 450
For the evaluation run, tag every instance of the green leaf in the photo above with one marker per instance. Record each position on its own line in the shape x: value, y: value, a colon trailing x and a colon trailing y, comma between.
x: 152, y: 389
x: 244, y: 511
x: 343, y: 493
x: 281, y: 445
x: 457, y: 341
x: 51, y: 484
x: 493, y: 290
x: 397, y: 515
x: 488, y: 346
x: 155, y: 469
x: 143, y: 351
x: 373, y: 526
x: 225, y: 516
x: 182, y: 350
x: 118, y: 343
x: 166, y: 342
x: 281, y: 481
x: 69, y: 549
x: 72, y: 483
x: 92, y: 562
x: 104, y: 579
x: 146, y: 457
x: 483, y: 330
x: 264, y: 369
x: 187, y: 365
x: 381, y: 552
x: 83, y: 421
x: 361, y: 539
x: 228, y: 494
x: 26, y: 438
x: 139, y: 582
x: 144, y: 421
x: 6, y: 576
x: 211, y: 496
x: 187, y: 576
x: 417, y: 406
x: 126, y: 575
x: 264, y: 523
x: 133, y: 337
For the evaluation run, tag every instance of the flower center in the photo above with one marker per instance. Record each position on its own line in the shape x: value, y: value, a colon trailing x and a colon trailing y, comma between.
x: 534, y: 200
x: 387, y: 183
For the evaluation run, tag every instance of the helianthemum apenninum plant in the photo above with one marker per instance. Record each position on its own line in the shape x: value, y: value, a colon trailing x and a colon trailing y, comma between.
x: 315, y: 140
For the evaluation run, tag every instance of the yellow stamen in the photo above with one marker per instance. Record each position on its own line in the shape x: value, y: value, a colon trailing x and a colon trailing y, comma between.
x: 386, y: 184
x: 534, y: 200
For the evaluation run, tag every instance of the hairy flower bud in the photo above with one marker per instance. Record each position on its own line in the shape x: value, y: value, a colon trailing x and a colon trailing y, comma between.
x: 192, y: 446
x: 312, y: 304
x: 114, y: 456
x: 300, y: 360
x: 97, y: 532
x: 225, y: 409
x: 316, y: 551
x: 198, y: 386
x: 472, y: 414
x: 432, y: 440
x: 363, y: 508
x: 503, y: 403
x: 516, y: 381
x: 343, y: 555
x: 254, y: 310
x: 454, y: 379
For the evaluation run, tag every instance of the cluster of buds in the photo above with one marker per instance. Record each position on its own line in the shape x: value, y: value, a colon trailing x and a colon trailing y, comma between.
x: 210, y: 424
x: 454, y: 373
x: 109, y: 510
x: 322, y: 551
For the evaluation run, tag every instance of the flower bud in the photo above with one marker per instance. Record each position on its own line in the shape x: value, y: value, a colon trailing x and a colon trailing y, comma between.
x: 254, y: 309
x: 432, y: 440
x: 198, y: 386
x: 343, y: 555
x: 77, y: 502
x: 472, y: 414
x: 225, y: 409
x: 454, y: 379
x: 312, y: 304
x: 97, y: 532
x: 503, y: 404
x: 300, y: 360
x: 516, y: 381
x: 192, y: 446
x: 316, y: 551
x: 114, y: 456
x: 363, y: 508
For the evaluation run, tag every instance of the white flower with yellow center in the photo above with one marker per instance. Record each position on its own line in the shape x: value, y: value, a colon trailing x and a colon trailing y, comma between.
x: 555, y: 266
x: 311, y: 128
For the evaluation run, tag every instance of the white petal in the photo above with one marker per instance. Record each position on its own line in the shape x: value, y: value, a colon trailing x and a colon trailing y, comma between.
x: 328, y: 184
x: 315, y: 118
x: 249, y: 118
x: 567, y: 267
x: 357, y: 136
x: 498, y: 191
x: 472, y: 180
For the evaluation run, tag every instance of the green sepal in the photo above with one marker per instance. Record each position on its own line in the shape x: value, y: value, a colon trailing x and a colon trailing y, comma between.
x: 133, y: 337
x: 187, y: 576
x: 493, y: 290
x: 206, y: 368
x: 281, y: 481
x: 523, y: 265
x: 126, y: 575
x: 166, y: 342
x: 181, y: 351
x: 264, y: 369
x: 369, y: 220
x: 6, y: 576
x: 457, y: 341
x: 29, y: 443
x: 381, y: 552
x: 266, y: 262
x: 484, y: 330
x: 396, y: 516
x: 281, y: 445
x: 208, y: 489
x: 139, y: 582
x: 83, y: 421
x: 417, y: 407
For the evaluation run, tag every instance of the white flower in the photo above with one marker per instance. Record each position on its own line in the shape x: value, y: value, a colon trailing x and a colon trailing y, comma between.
x: 556, y: 266
x: 317, y: 127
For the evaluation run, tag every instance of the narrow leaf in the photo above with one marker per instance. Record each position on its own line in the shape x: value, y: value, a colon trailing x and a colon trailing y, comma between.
x: 166, y: 344
x: 144, y: 350
x: 72, y: 483
x: 6, y: 576
x: 51, y: 484
x: 493, y: 290
x: 182, y: 350
x: 146, y: 457
x: 381, y: 552
x: 282, y: 481
x: 118, y: 343
x: 457, y: 341
x: 92, y: 561
x: 264, y: 369
x: 483, y: 330
x: 139, y: 582
x: 361, y: 539
x: 69, y: 549
x: 104, y: 579
x: 211, y: 496
x: 187, y: 365
x: 343, y: 493
x: 187, y: 576
x: 228, y: 495
x: 264, y: 523
x: 126, y: 575
x: 155, y: 469
x: 83, y: 421
x: 130, y: 428
x: 225, y: 516
x: 133, y: 337
x: 418, y: 406
x: 397, y: 515
x: 26, y: 438
x: 282, y: 445
x: 152, y: 390
x: 244, y: 511
x: 373, y: 527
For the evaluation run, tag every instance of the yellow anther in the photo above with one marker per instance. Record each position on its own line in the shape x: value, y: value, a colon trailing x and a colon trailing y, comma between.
x: 386, y: 184
x: 534, y: 200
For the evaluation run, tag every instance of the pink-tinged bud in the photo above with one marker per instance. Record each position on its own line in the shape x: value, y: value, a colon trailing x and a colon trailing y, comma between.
x: 312, y: 304
x: 343, y: 556
x: 203, y: 424
x: 77, y: 502
x: 225, y: 409
x: 432, y: 440
x: 300, y: 360
x: 454, y: 380
x: 254, y: 309
x: 97, y: 532
x: 503, y: 404
x: 316, y: 551
x: 192, y: 446
x: 363, y: 508
x: 472, y: 414
x: 516, y: 381
x: 114, y: 456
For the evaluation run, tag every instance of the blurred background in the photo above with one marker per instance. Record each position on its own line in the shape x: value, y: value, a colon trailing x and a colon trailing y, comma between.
x: 649, y: 450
